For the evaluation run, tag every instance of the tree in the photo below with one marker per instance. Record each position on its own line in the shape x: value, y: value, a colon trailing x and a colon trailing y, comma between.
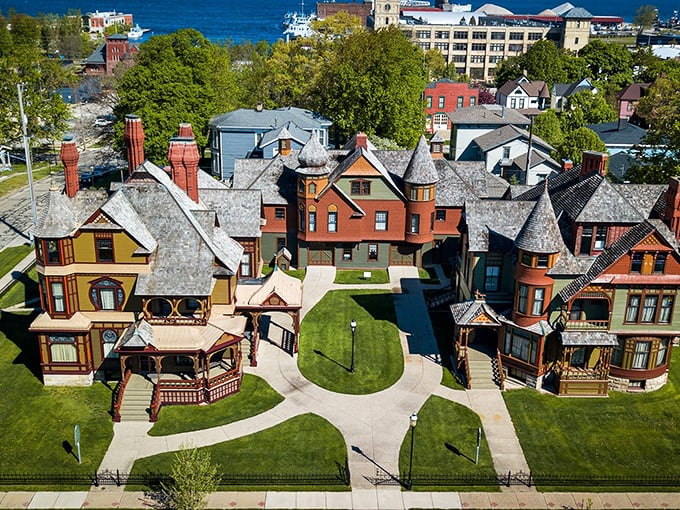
x: 181, y: 77
x: 341, y: 24
x: 547, y: 126
x: 578, y: 141
x: 194, y: 476
x: 659, y: 157
x: 584, y: 108
x: 608, y: 62
x: 645, y: 16
x: 435, y: 65
x: 544, y: 62
x: 374, y: 82
x: 486, y: 97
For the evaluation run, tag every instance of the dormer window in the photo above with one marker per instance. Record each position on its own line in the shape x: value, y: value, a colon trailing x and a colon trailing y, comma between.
x: 360, y: 187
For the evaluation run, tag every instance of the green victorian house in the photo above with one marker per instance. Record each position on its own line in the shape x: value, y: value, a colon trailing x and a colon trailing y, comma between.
x: 571, y: 285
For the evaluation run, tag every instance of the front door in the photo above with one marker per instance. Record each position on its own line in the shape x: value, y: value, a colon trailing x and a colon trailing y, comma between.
x: 402, y: 255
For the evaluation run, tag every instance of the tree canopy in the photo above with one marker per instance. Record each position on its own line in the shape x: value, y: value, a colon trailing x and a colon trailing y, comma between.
x: 544, y: 61
x: 577, y: 142
x: 645, y: 16
x: 658, y: 158
x: 180, y: 77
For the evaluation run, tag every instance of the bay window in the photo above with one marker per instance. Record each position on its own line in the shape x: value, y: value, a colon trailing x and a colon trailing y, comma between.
x: 523, y: 294
x: 58, y: 300
x: 539, y: 297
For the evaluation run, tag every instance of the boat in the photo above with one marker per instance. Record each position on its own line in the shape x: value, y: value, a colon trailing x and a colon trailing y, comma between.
x: 137, y: 32
x: 297, y: 24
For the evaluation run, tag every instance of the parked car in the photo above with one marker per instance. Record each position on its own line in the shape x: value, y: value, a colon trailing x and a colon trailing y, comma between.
x: 102, y: 123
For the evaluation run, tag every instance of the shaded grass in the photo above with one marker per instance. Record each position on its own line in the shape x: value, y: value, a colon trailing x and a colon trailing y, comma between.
x: 356, y: 276
x: 37, y: 421
x: 622, y: 435
x: 428, y: 276
x: 445, y: 441
x: 10, y: 257
x: 326, y: 342
x: 255, y: 397
x: 306, y: 444
x: 23, y: 290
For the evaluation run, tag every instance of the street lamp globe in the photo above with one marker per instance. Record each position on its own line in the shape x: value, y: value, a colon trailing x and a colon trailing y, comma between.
x: 413, y: 420
x: 353, y: 325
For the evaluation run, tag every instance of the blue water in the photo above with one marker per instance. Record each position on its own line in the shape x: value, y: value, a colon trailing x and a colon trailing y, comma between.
x: 248, y: 20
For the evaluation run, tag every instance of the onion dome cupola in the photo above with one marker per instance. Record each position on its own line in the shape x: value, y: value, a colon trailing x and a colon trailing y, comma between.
x: 420, y: 180
x: 313, y: 169
x: 538, y: 244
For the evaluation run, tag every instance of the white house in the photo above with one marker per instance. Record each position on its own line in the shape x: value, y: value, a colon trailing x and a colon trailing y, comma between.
x: 521, y: 93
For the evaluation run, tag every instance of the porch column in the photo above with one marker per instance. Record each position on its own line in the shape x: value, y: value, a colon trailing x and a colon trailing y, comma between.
x: 296, y: 329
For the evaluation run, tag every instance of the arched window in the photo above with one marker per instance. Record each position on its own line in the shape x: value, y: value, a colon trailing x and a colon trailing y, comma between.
x: 159, y: 307
x: 332, y: 218
x: 107, y: 294
x: 312, y: 218
x: 312, y: 189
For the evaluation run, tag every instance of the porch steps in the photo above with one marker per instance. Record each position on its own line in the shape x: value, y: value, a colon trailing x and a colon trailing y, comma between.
x: 136, y: 399
x: 481, y: 370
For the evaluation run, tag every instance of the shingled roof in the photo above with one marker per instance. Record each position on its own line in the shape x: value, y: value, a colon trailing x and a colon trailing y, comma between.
x: 420, y: 169
x: 488, y: 114
x: 540, y: 232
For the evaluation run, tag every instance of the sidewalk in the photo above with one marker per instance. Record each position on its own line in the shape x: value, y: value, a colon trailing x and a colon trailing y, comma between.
x: 7, y: 280
x: 356, y: 499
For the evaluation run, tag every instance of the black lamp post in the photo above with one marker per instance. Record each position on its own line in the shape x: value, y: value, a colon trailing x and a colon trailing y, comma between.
x: 353, y: 327
x: 413, y: 421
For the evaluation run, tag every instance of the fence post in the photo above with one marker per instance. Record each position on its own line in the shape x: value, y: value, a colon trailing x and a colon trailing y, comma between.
x: 529, y: 479
x: 509, y: 475
x: 117, y: 477
x: 96, y: 478
x: 347, y: 475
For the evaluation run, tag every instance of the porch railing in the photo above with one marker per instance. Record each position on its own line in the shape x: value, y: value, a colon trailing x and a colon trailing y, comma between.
x: 501, y: 374
x: 118, y: 397
x: 468, y: 377
x: 587, y: 324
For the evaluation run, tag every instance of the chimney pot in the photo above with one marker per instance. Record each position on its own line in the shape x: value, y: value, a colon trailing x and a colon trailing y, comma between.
x: 69, y: 157
x: 134, y: 141
x: 362, y: 141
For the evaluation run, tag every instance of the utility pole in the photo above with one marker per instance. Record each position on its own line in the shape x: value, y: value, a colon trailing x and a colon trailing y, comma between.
x: 27, y: 152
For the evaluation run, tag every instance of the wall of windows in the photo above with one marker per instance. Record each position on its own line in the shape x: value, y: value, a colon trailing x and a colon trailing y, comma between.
x: 521, y: 345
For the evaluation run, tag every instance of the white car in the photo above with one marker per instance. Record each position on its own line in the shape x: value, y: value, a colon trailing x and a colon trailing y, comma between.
x: 102, y: 123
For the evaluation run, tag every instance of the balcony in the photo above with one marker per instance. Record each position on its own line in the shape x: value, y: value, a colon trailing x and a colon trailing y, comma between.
x: 588, y: 324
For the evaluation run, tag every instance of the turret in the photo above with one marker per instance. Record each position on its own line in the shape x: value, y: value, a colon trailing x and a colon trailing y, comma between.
x: 69, y: 157
x: 538, y: 244
x: 285, y: 139
x: 420, y: 180
x: 312, y: 175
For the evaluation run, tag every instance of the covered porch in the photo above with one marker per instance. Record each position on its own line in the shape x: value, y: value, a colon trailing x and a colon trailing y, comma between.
x: 186, y: 364
x: 582, y: 369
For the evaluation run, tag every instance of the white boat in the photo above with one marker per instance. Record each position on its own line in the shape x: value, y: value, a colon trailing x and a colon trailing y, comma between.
x: 137, y: 32
x: 300, y: 28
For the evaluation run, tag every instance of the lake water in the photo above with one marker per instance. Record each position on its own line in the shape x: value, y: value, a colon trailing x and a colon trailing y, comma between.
x: 247, y: 20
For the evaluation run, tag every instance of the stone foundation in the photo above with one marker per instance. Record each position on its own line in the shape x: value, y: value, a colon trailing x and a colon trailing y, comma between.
x: 68, y: 380
x: 623, y: 384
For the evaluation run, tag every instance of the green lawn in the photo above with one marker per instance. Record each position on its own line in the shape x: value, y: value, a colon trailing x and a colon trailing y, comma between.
x: 295, y: 273
x: 304, y: 445
x: 10, y: 257
x: 326, y: 342
x: 255, y: 397
x: 445, y: 441
x: 23, y: 290
x: 356, y: 276
x: 18, y: 178
x: 624, y: 434
x: 37, y: 421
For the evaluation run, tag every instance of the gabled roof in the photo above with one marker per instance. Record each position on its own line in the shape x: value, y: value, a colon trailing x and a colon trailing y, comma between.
x: 272, y: 177
x: 618, y: 249
x: 537, y: 158
x: 290, y: 131
x: 536, y: 88
x: 505, y: 134
x: 487, y: 114
x: 270, y: 119
x: 474, y: 312
x: 567, y: 89
x: 633, y: 92
x: 287, y: 289
x: 98, y: 56
x: 420, y: 169
x: 493, y: 225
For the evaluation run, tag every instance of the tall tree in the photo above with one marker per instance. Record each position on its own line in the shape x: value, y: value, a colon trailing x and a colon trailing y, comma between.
x: 547, y: 126
x: 585, y: 108
x: 181, y: 77
x: 544, y: 62
x: 658, y: 158
x: 645, y: 16
x: 608, y: 62
x: 577, y: 142
x: 374, y: 82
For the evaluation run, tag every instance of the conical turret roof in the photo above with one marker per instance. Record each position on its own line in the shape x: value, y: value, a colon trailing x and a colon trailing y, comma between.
x: 540, y: 232
x: 421, y: 169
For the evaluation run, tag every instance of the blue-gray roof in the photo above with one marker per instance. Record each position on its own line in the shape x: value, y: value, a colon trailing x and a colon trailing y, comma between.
x: 270, y: 119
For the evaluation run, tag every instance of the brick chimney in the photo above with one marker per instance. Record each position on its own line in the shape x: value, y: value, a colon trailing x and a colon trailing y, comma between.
x: 185, y: 130
x: 362, y: 141
x: 567, y: 164
x: 69, y: 157
x: 672, y: 211
x: 134, y: 141
x: 184, y: 157
x: 594, y: 161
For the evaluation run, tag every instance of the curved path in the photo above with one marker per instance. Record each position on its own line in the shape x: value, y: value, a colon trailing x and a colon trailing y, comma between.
x: 373, y: 426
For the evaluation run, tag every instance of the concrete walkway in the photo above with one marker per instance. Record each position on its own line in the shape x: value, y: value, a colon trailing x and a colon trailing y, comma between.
x: 373, y: 426
x: 15, y: 273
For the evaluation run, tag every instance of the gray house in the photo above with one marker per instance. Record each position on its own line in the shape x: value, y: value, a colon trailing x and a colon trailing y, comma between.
x: 254, y: 133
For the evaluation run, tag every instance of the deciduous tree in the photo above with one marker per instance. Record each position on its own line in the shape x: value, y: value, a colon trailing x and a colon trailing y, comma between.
x: 645, y: 16
x: 194, y: 476
x: 547, y: 126
x: 181, y: 77
x: 578, y: 141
